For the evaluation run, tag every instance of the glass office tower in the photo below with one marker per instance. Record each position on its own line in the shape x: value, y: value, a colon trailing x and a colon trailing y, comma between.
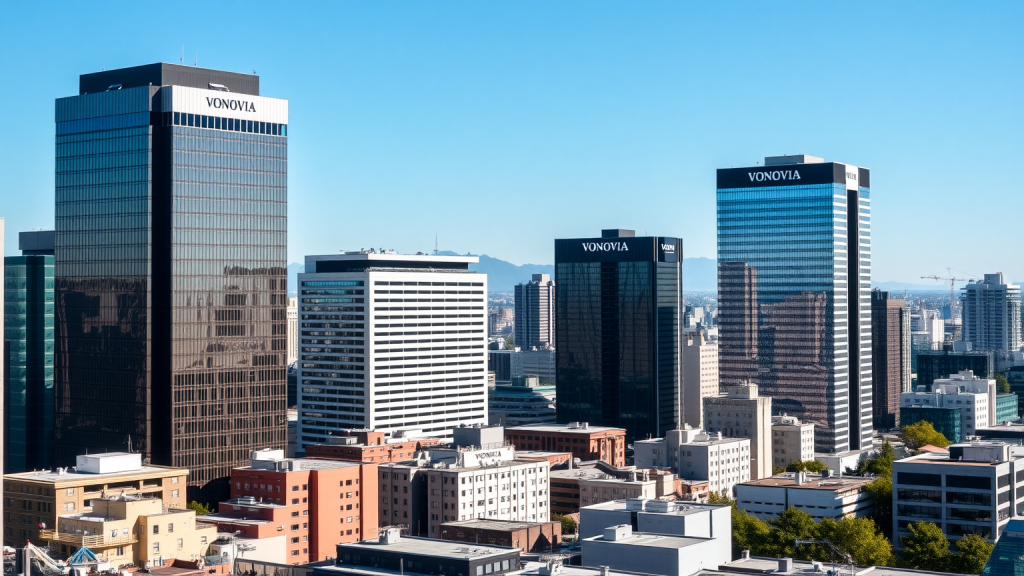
x: 794, y: 284
x: 617, y: 320
x: 171, y: 222
x: 28, y: 373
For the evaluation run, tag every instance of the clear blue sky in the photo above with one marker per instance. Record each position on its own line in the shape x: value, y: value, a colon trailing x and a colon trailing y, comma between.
x: 504, y: 125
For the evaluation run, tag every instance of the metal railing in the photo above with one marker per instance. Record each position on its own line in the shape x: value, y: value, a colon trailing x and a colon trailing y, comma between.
x: 88, y: 540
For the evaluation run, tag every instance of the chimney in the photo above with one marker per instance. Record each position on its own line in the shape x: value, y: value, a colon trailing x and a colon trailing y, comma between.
x: 745, y: 555
x: 785, y: 565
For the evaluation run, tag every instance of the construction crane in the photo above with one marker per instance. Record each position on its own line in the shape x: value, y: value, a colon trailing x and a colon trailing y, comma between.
x: 952, y: 288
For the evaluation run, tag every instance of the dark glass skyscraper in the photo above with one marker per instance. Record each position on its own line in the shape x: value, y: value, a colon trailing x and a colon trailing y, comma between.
x: 535, y: 313
x: 890, y: 357
x: 617, y: 317
x: 28, y: 370
x: 171, y: 224
x: 794, y: 284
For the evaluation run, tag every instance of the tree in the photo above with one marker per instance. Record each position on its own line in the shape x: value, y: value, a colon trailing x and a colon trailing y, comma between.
x: 1002, y: 384
x: 815, y: 466
x: 199, y: 507
x: 925, y: 547
x: 858, y: 537
x: 973, y: 553
x: 749, y: 533
x: 510, y: 342
x: 776, y: 470
x: 791, y: 525
x: 880, y: 492
x: 881, y: 464
x: 921, y: 434
x: 569, y: 525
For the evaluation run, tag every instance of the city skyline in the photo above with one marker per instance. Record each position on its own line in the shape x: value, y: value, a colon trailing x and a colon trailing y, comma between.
x: 447, y: 114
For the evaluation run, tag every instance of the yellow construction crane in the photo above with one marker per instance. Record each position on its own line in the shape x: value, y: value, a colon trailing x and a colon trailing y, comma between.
x: 952, y: 287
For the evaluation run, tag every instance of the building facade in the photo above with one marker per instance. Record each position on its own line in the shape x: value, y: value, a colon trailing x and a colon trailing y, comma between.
x: 822, y: 496
x: 792, y: 441
x: 28, y: 372
x: 370, y: 446
x: 932, y: 366
x: 974, y: 489
x: 171, y: 225
x: 700, y: 377
x: 389, y: 342
x: 972, y: 398
x: 618, y: 312
x: 723, y: 462
x: 535, y: 313
x: 37, y: 498
x: 522, y: 403
x: 742, y: 413
x: 293, y: 330
x: 794, y: 277
x: 890, y: 358
x: 991, y: 314
x: 582, y: 440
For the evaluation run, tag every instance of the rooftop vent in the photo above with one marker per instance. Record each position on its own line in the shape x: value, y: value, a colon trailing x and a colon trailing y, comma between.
x: 616, y: 533
x: 218, y: 87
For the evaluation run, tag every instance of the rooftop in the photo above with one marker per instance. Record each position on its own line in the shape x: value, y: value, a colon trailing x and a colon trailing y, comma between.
x: 761, y: 565
x: 812, y: 482
x: 649, y: 540
x: 484, y: 524
x: 431, y: 547
x: 677, y: 508
x: 72, y: 475
x: 570, y: 428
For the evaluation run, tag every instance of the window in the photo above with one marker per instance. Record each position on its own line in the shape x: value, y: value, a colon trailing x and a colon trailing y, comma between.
x: 170, y: 528
x: 156, y: 529
x: 174, y: 493
x: 174, y: 480
x: 69, y: 492
x: 181, y: 543
x: 69, y: 506
x: 156, y: 547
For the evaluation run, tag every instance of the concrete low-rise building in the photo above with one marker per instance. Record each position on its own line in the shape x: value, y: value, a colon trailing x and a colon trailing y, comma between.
x: 973, y: 489
x: 973, y: 398
x: 584, y: 441
x: 661, y: 516
x: 792, y: 441
x: 695, y: 455
x: 596, y: 482
x: 619, y: 547
x: 820, y: 495
x: 539, y: 537
x: 742, y: 413
x: 370, y: 446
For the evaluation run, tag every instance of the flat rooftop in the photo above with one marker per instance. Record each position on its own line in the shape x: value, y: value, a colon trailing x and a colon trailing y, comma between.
x: 305, y: 464
x: 364, y: 261
x: 814, y: 482
x: 502, y: 525
x: 430, y: 547
x: 72, y: 475
x: 648, y: 540
x: 218, y: 518
x: 564, y: 428
x: 677, y: 508
x: 761, y: 565
x: 534, y: 569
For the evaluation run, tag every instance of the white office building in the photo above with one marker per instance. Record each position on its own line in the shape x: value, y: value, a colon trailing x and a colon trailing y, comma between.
x: 293, y: 329
x: 792, y: 441
x: 973, y: 397
x: 991, y: 317
x: 820, y: 495
x: 695, y: 455
x: 620, y: 548
x: 742, y: 413
x: 974, y: 489
x: 389, y: 342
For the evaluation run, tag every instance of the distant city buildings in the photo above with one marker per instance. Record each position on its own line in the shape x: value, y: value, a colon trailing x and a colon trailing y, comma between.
x: 535, y: 313
x: 794, y: 280
x: 170, y: 241
x: 695, y: 455
x: 391, y: 342
x: 742, y: 413
x: 700, y: 376
x: 28, y: 338
x: 992, y: 314
x: 932, y: 366
x: 890, y: 358
x: 618, y: 314
x: 370, y: 446
x: 523, y: 402
x: 510, y: 364
x: 792, y: 441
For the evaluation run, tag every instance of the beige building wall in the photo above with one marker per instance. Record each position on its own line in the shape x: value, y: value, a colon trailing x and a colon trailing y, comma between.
x: 172, y: 535
x: 598, y: 491
x: 700, y: 377
x: 742, y: 413
x: 791, y: 441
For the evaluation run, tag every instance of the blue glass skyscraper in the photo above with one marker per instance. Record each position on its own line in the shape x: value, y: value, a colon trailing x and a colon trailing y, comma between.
x: 28, y: 373
x: 794, y: 288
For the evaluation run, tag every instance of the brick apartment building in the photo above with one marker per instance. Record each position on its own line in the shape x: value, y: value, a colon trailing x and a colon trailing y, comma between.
x: 582, y: 440
x: 315, y: 503
x: 370, y: 447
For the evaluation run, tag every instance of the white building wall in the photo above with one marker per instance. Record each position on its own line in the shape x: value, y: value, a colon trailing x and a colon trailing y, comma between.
x: 723, y: 463
x: 516, y: 490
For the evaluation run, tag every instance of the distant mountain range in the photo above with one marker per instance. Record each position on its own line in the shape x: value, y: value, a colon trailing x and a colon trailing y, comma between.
x: 699, y: 275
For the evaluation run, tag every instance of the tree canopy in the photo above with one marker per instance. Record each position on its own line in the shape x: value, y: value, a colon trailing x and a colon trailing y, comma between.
x: 921, y: 434
x: 815, y: 466
x: 1002, y: 384
x: 925, y: 547
x: 199, y: 508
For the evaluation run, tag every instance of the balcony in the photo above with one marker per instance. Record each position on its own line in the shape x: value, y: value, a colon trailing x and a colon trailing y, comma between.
x: 93, y: 541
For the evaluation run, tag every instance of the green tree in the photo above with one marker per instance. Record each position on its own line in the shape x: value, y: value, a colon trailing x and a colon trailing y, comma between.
x: 881, y: 464
x: 1002, y: 384
x: 921, y: 434
x: 880, y: 492
x: 776, y: 470
x: 569, y: 525
x: 791, y: 525
x: 859, y: 538
x: 510, y: 341
x: 925, y: 547
x: 749, y: 533
x: 199, y: 507
x: 815, y: 466
x: 973, y: 552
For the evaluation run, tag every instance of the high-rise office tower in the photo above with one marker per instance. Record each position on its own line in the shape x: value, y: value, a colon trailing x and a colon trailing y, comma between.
x: 388, y: 342
x: 794, y: 284
x: 171, y: 225
x: 890, y: 358
x: 991, y: 313
x: 618, y: 312
x: 293, y: 329
x: 28, y: 374
x: 535, y: 313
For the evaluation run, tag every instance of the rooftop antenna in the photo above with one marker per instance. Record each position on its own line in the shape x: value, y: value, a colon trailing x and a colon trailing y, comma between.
x: 435, y: 243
